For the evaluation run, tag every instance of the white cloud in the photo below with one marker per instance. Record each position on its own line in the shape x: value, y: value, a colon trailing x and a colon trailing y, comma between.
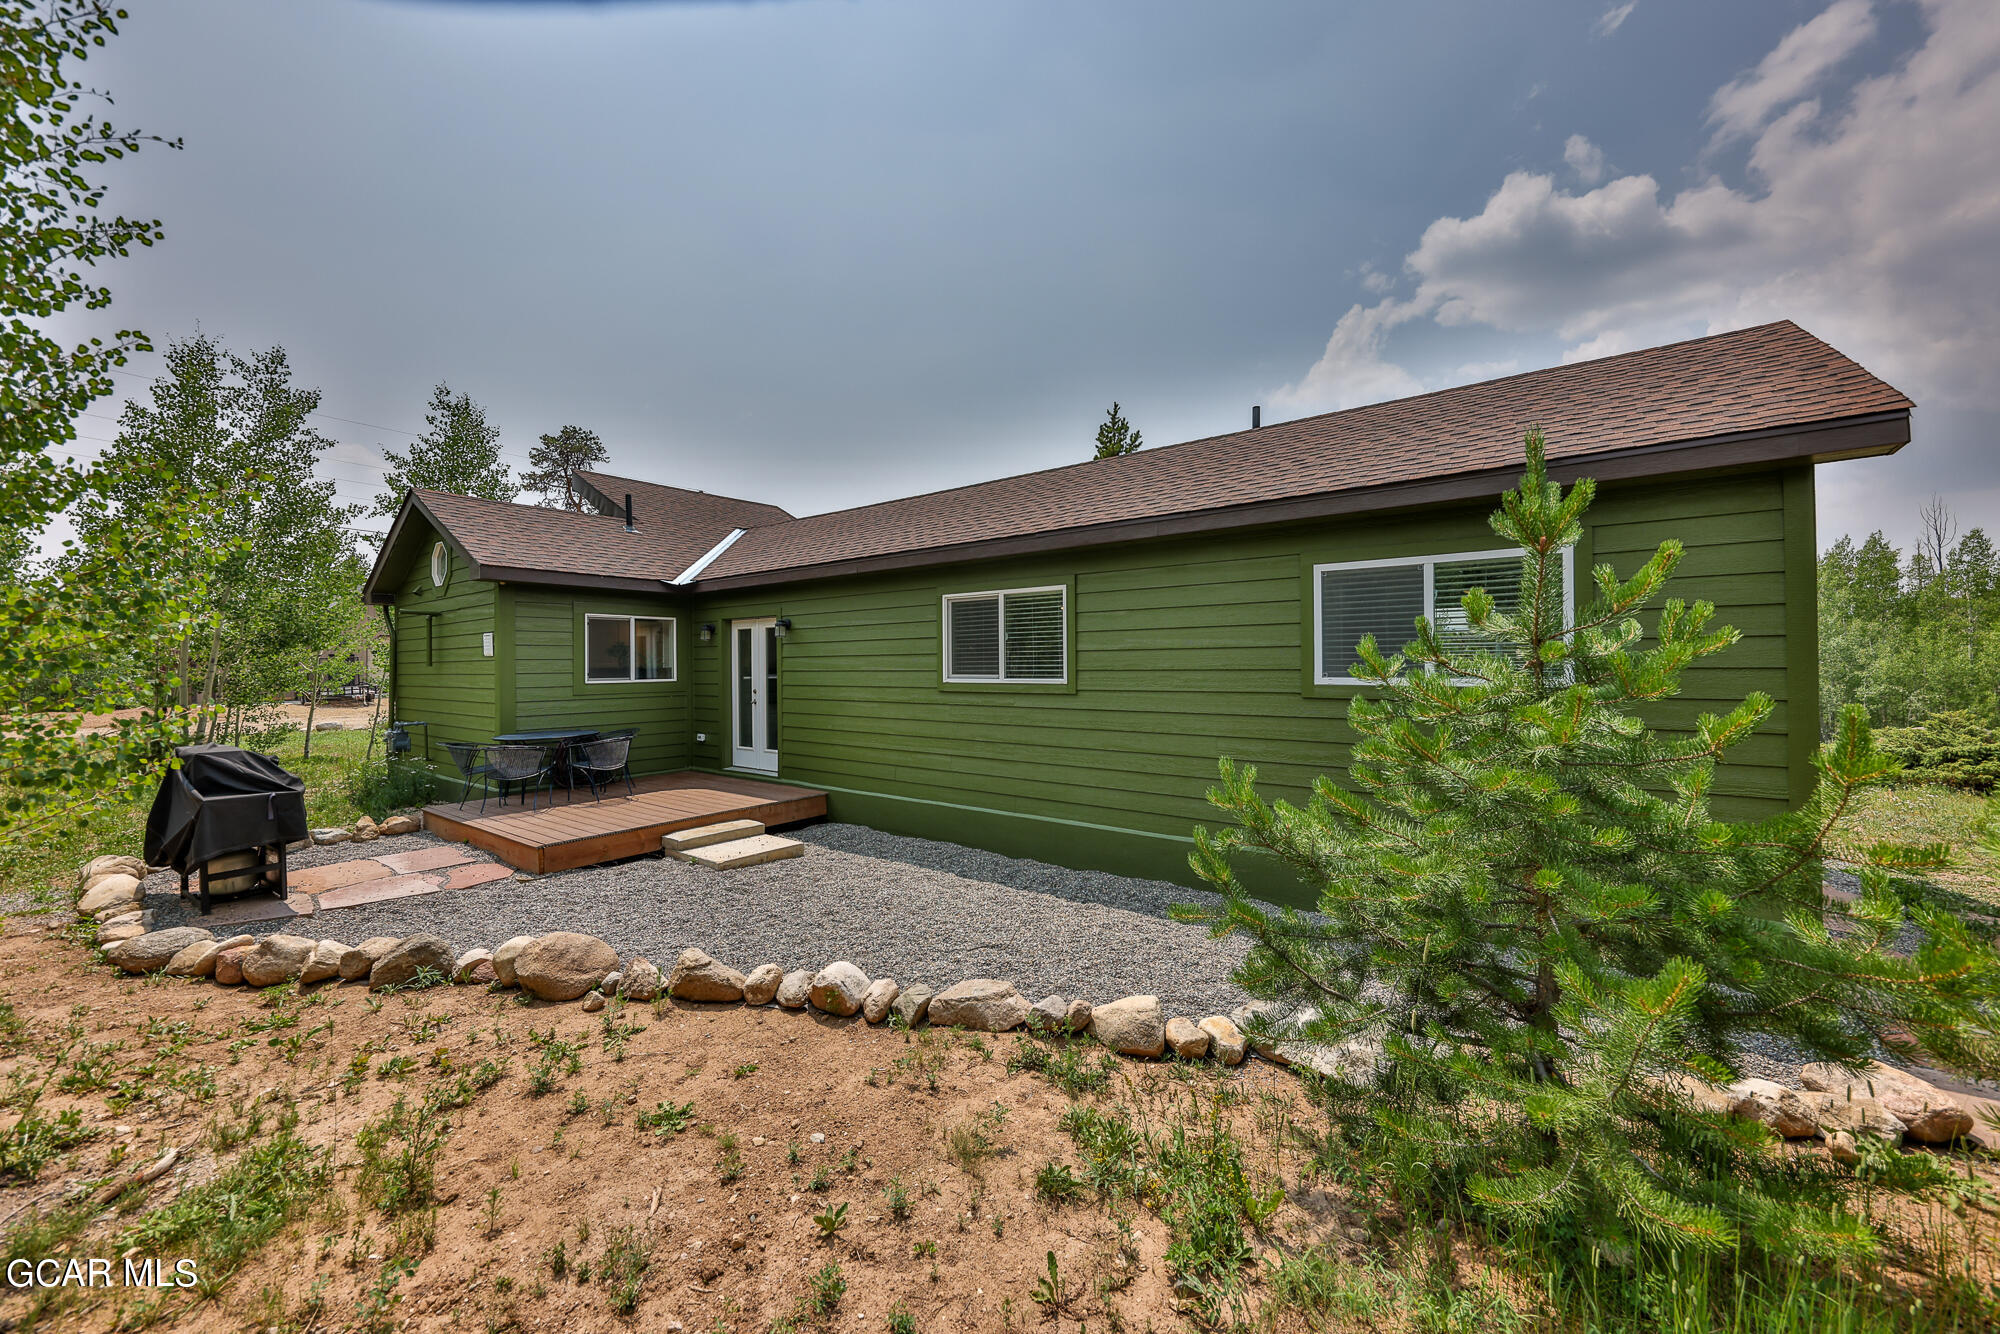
x: 1874, y: 225
x: 1807, y: 55
x: 1585, y: 159
x: 1613, y: 18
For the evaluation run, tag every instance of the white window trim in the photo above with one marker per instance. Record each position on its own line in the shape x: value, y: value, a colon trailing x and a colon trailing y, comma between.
x: 1430, y: 564
x: 1003, y: 679
x: 673, y: 651
x: 440, y: 564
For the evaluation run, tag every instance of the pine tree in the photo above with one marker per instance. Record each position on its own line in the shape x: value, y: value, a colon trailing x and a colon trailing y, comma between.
x: 1115, y: 436
x: 1528, y: 903
x: 554, y: 462
x: 459, y: 453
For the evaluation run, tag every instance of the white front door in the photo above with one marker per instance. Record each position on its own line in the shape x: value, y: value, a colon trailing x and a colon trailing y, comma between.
x: 754, y: 690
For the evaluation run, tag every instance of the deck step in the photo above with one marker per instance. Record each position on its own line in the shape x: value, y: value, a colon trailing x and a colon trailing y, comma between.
x: 682, y: 839
x: 754, y: 851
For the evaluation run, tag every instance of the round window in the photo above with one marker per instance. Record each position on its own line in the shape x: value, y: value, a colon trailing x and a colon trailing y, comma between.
x: 440, y: 564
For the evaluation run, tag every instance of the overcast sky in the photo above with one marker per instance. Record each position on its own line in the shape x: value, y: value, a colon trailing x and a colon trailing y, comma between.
x: 823, y: 253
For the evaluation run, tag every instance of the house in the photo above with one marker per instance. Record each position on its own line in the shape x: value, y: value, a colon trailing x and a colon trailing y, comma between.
x: 1048, y: 665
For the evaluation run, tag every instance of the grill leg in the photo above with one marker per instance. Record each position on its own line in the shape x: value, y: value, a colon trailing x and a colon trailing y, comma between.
x: 203, y: 897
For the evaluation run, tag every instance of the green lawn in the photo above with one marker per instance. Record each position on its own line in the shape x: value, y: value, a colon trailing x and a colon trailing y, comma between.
x: 27, y: 872
x: 1931, y: 814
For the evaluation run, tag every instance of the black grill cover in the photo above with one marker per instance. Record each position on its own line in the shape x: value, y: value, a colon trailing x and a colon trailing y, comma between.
x: 222, y: 799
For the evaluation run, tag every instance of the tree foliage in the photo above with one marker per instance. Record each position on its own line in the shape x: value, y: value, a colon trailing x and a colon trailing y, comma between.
x: 1526, y: 899
x: 458, y: 452
x: 1115, y: 436
x: 1908, y: 635
x: 281, y: 604
x: 74, y: 634
x: 554, y: 462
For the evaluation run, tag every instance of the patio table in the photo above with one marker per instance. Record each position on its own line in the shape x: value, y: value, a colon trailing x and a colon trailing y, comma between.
x: 564, y: 737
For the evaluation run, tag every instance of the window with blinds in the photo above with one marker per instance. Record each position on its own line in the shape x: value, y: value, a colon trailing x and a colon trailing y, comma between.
x: 1383, y: 598
x: 1013, y: 635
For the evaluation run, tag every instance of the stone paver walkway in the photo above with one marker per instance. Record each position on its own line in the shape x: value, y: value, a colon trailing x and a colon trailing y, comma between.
x: 364, y: 880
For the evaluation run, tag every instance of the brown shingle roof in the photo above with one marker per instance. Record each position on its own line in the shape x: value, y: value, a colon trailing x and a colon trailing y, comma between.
x: 674, y: 528
x: 1773, y: 375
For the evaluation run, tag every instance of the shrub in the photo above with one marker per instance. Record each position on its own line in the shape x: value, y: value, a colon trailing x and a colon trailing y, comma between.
x: 380, y: 787
x: 1956, y: 748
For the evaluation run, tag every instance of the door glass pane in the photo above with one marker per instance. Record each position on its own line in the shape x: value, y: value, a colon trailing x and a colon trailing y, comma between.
x: 652, y: 649
x: 607, y: 648
x: 770, y: 688
x: 1453, y: 580
x: 975, y: 638
x: 1034, y: 634
x: 745, y: 682
x: 1384, y: 601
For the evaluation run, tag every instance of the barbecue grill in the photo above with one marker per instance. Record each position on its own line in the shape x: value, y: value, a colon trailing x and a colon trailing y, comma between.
x: 223, y: 802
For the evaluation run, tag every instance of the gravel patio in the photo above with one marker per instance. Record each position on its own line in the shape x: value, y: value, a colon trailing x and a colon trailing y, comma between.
x: 913, y: 909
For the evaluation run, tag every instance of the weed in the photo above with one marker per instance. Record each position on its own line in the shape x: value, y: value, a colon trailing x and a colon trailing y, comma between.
x: 898, y: 1197
x: 1048, y: 1289
x: 558, y: 1058
x: 615, y: 1034
x: 822, y: 1180
x: 557, y: 1258
x: 971, y: 1142
x: 399, y: 1154
x: 357, y: 1072
x: 1077, y: 1068
x: 792, y: 1153
x: 1055, y: 1184
x: 901, y: 1321
x: 623, y: 1268
x: 744, y: 1071
x: 831, y: 1222
x: 395, y: 1067
x: 923, y: 1250
x: 34, y: 1141
x: 579, y: 1103
x: 667, y: 1118
x: 729, y: 1162
x: 492, y: 1212
x: 828, y: 1287
x: 375, y: 1312
x: 90, y: 1069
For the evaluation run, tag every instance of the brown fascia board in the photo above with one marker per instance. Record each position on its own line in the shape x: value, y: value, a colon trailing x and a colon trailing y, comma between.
x: 514, y: 574
x: 395, y: 534
x: 1816, y: 442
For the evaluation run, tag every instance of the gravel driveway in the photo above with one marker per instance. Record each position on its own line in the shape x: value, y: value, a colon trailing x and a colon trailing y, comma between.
x: 908, y: 908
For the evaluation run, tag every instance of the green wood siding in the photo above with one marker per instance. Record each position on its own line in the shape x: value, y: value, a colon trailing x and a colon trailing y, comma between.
x: 442, y: 674
x: 549, y: 689
x: 1188, y: 649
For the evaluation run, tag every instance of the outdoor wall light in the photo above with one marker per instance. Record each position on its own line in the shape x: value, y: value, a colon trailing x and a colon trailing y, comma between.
x: 708, y: 632
x: 784, y: 626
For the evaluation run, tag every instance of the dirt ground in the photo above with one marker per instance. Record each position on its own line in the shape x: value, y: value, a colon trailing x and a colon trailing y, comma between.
x: 804, y: 1096
x: 348, y: 712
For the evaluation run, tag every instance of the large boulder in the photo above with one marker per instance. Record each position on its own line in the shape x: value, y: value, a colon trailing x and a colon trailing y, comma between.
x: 366, y: 830
x: 696, y: 977
x: 762, y: 984
x: 1188, y: 1039
x: 411, y: 954
x: 641, y: 981
x: 399, y: 824
x: 1855, y: 1115
x: 1077, y: 1017
x: 197, y: 960
x: 276, y: 959
x: 875, y: 1003
x: 1774, y: 1105
x: 912, y: 1005
x: 356, y: 962
x: 112, y: 932
x: 1224, y: 1039
x: 504, y: 955
x: 110, y: 894
x: 1928, y: 1113
x: 154, y: 950
x: 794, y: 988
x: 838, y: 989
x: 563, y: 965
x: 229, y: 965
x: 97, y: 867
x: 1133, y: 1026
x: 980, y: 1004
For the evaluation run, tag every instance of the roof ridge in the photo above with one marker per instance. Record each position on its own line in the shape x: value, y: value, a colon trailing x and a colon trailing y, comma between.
x: 1160, y: 450
x: 684, y: 490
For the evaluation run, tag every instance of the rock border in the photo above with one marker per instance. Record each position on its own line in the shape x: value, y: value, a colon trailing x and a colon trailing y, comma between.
x: 561, y: 967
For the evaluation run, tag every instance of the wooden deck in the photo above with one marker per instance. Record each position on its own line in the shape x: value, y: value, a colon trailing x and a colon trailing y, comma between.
x: 581, y: 832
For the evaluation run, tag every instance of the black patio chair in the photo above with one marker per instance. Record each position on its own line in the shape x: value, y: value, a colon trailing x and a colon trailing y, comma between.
x: 601, y: 762
x: 527, y: 766
x: 472, y: 765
